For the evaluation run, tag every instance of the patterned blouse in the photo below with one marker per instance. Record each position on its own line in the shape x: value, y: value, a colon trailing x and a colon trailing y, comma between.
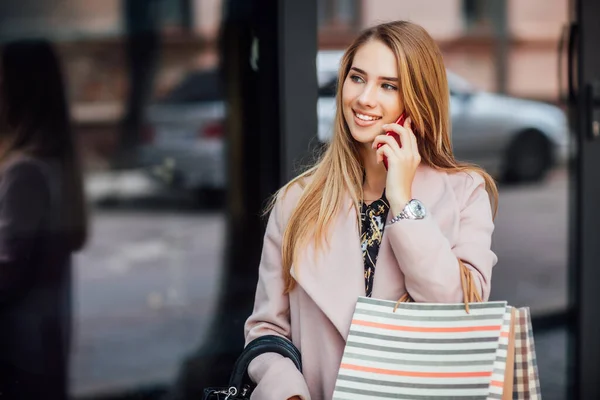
x: 373, y: 218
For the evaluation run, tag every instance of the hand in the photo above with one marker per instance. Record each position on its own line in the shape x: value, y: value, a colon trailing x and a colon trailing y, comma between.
x: 402, y: 163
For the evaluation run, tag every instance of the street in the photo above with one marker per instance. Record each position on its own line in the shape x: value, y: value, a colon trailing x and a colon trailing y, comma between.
x: 146, y: 282
x: 531, y: 241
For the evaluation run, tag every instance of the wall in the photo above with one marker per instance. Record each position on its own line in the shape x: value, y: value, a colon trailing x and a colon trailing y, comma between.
x: 534, y: 28
x: 441, y: 18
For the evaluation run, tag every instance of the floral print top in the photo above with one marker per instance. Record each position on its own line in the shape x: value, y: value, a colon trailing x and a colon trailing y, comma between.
x: 373, y: 218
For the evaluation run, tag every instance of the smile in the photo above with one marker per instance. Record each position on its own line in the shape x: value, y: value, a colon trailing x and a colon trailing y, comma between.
x: 365, y: 117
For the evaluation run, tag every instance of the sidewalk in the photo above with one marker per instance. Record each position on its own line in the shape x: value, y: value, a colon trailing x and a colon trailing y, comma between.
x: 535, y: 288
x: 552, y: 348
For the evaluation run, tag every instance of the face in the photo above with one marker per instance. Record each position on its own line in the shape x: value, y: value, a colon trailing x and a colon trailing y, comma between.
x: 370, y: 95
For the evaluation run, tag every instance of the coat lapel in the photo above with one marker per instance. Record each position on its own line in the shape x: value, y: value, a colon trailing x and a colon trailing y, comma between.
x: 334, y: 276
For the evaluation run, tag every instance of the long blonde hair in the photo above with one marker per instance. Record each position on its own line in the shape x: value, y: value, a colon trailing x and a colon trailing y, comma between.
x: 339, y: 171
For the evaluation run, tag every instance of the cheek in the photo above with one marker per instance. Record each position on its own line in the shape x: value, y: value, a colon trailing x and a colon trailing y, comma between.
x: 392, y: 104
x: 348, y: 94
x: 398, y: 103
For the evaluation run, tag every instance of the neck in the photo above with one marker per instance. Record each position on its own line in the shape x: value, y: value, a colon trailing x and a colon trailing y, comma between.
x: 375, y: 174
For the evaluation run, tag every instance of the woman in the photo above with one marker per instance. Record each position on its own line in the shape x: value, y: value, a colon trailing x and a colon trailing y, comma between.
x: 348, y: 227
x: 42, y: 222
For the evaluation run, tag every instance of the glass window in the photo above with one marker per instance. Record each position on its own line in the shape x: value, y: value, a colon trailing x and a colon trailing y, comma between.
x: 476, y: 14
x: 329, y: 88
x: 346, y: 11
x: 338, y: 12
x: 147, y: 113
x: 149, y: 117
x: 175, y: 13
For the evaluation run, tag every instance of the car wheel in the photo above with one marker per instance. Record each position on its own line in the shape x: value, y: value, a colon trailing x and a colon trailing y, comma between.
x: 529, y: 157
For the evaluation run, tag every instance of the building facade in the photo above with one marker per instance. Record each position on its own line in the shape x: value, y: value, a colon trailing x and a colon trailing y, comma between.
x: 508, y: 46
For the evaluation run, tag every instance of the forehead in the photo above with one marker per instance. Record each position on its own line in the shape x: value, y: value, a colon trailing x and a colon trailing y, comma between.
x: 377, y: 59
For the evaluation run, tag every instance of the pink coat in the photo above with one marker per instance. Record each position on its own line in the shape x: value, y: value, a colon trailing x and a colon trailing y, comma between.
x: 418, y: 256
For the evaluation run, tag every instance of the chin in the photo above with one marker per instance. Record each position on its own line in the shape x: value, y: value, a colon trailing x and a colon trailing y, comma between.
x: 363, y: 139
x: 363, y: 135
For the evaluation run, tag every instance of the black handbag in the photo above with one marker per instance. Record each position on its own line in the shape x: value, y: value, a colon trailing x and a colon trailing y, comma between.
x: 240, y: 386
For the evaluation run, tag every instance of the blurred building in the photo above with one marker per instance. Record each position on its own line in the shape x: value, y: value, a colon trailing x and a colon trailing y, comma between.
x: 508, y: 46
x: 475, y: 37
x: 500, y: 45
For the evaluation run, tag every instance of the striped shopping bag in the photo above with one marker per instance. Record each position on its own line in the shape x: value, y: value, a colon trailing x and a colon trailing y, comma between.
x: 426, y: 351
x: 468, y: 351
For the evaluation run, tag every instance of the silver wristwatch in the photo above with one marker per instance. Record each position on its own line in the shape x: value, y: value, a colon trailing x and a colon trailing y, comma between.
x: 414, y: 209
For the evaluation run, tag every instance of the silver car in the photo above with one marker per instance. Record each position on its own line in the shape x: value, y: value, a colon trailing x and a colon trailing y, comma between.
x: 514, y: 139
x: 183, y: 136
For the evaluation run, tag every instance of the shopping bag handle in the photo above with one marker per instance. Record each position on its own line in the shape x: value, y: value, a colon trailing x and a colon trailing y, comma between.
x: 470, y: 291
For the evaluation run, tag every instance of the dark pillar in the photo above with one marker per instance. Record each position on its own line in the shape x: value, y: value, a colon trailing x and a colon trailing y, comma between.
x: 268, y: 52
x: 584, y: 110
x: 142, y: 24
x: 498, y: 13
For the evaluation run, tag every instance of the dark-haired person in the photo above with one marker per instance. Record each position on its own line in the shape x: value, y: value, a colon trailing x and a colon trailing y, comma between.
x: 42, y: 222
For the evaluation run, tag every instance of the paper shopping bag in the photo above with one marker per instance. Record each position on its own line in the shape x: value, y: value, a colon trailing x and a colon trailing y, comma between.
x: 427, y: 351
x: 526, y: 377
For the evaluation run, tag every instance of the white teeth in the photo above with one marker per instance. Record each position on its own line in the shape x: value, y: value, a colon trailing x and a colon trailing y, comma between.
x: 366, y: 117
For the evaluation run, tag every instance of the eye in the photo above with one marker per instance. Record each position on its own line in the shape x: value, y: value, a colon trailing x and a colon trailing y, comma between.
x: 356, y: 79
x: 387, y: 86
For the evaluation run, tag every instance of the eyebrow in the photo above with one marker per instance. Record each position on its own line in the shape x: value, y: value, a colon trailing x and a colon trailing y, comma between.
x: 383, y: 78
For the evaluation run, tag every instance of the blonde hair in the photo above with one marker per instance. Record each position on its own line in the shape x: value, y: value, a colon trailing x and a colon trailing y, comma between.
x: 339, y: 171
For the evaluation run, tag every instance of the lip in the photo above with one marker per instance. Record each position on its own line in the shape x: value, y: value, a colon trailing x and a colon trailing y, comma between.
x: 364, y: 123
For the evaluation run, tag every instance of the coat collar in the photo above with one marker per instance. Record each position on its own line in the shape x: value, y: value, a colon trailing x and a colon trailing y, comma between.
x: 334, y: 276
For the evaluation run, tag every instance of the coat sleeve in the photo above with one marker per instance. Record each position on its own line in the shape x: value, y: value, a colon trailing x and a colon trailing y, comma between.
x: 277, y: 377
x: 429, y: 261
x: 24, y: 200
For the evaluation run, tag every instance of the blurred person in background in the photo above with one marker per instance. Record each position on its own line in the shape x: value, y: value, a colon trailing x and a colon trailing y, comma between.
x: 42, y: 222
x: 349, y: 227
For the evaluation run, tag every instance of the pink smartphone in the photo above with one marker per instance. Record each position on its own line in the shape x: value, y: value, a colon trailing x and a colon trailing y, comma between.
x: 399, y: 121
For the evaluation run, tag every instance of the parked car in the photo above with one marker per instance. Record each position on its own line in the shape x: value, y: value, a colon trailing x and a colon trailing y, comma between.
x: 182, y: 143
x: 514, y: 139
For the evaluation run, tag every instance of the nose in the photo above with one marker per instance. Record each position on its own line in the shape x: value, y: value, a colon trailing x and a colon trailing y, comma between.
x: 368, y: 96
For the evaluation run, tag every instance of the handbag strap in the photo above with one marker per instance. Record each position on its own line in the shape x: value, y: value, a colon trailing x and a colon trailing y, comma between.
x: 470, y: 291
x: 258, y: 346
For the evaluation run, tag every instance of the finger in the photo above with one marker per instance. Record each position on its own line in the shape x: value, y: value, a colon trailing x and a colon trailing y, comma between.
x: 412, y: 138
x: 405, y: 135
x: 386, y: 140
x: 415, y: 144
x: 403, y: 132
x: 386, y: 151
x: 393, y: 127
x: 379, y: 157
x: 408, y: 124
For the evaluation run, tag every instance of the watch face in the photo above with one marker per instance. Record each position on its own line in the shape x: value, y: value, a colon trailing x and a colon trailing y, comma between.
x: 417, y: 209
